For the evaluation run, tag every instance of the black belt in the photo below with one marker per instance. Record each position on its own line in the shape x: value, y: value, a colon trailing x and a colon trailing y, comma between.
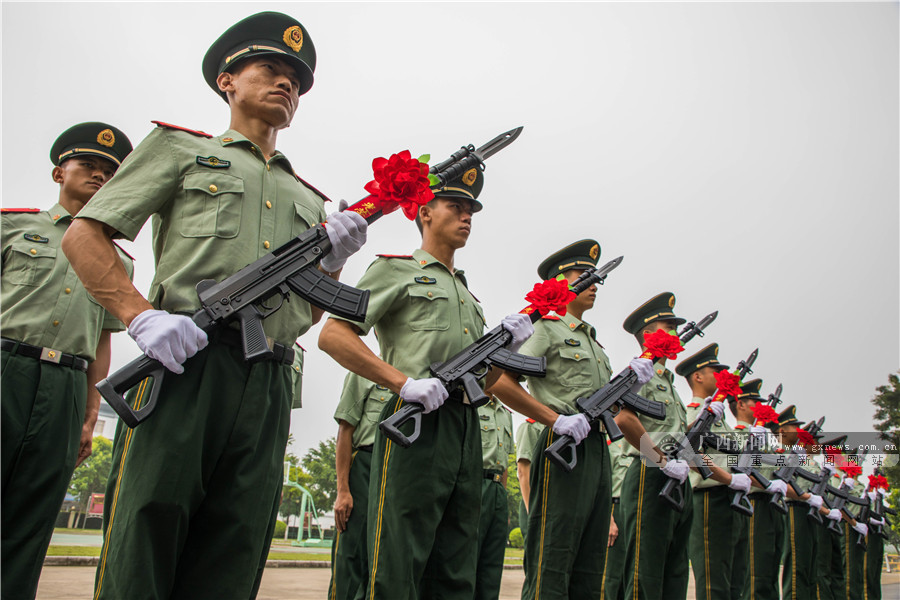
x: 232, y: 337
x: 719, y: 488
x: 798, y: 503
x: 49, y: 355
x: 366, y: 448
x: 492, y: 475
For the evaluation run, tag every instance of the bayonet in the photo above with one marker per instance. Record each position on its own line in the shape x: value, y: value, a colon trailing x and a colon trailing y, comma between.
x: 775, y: 398
x: 693, y: 329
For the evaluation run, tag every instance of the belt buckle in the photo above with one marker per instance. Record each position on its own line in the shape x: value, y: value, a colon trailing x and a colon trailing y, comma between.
x: 497, y: 477
x: 465, y: 398
x: 50, y: 355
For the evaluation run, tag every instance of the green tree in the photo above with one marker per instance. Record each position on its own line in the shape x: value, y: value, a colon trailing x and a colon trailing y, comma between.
x: 887, y: 422
x: 90, y: 477
x: 319, y: 464
x: 513, y: 492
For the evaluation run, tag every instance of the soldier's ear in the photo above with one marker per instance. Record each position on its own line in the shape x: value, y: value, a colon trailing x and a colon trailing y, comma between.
x: 57, y: 174
x: 225, y: 81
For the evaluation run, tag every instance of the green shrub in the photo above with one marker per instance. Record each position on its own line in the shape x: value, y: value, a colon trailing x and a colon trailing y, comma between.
x: 280, y: 526
x: 515, y: 538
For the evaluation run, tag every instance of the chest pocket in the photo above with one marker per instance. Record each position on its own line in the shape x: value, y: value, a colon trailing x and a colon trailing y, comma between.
x: 575, y: 367
x: 428, y: 308
x: 304, y: 218
x: 29, y: 264
x: 375, y: 404
x: 212, y: 206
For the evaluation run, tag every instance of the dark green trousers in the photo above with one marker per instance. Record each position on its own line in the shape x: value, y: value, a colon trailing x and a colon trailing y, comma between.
x: 856, y: 565
x: 424, y: 508
x: 492, y: 535
x: 349, y: 556
x: 873, y: 562
x: 194, y: 491
x: 41, y: 412
x: 798, y: 578
x: 568, y: 522
x: 830, y: 567
x: 718, y: 547
x: 740, y: 566
x: 523, y: 520
x: 766, y: 539
x: 615, y: 560
x: 656, y: 559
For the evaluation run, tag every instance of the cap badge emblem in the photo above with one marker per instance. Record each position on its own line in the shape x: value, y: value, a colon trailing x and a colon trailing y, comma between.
x: 470, y: 176
x: 106, y: 138
x: 293, y: 37
x: 671, y: 301
x: 595, y: 251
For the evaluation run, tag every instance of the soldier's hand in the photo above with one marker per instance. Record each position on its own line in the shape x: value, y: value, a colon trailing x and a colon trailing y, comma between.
x: 740, y: 482
x: 613, y: 532
x: 343, y: 506
x: 777, y: 486
x: 347, y: 234
x: 677, y: 470
x: 643, y: 368
x: 574, y: 426
x: 815, y: 501
x: 834, y: 514
x: 430, y: 392
x: 716, y: 408
x: 86, y: 445
x: 170, y: 339
x: 521, y: 328
x: 849, y: 481
x: 861, y: 528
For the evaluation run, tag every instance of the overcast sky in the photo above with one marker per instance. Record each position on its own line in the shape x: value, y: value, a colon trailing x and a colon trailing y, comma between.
x: 742, y: 156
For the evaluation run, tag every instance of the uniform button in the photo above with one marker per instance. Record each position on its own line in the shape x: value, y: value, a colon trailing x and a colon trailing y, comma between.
x: 56, y: 323
x: 68, y: 290
x: 296, y: 368
x: 268, y: 167
x: 422, y: 262
x: 599, y: 361
x: 659, y: 371
x: 577, y: 356
x: 430, y: 294
x: 33, y: 251
x: 266, y: 244
x: 572, y: 325
x: 213, y: 188
x: 466, y: 330
x: 252, y: 148
x: 667, y: 400
x: 268, y: 204
x: 462, y: 300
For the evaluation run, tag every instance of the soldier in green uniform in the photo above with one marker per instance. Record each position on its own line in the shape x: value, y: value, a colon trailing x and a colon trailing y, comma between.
x: 656, y: 536
x: 854, y: 555
x: 830, y: 582
x: 424, y: 500
x: 614, y: 570
x: 568, y: 513
x: 55, y: 348
x: 496, y: 446
x: 526, y: 440
x: 875, y: 545
x: 205, y: 472
x: 357, y: 415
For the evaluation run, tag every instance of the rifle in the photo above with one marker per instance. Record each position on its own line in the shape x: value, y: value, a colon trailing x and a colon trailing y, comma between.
x: 841, y: 496
x: 464, y: 369
x: 292, y: 267
x: 689, y: 445
x: 604, y: 404
x: 788, y: 473
x: 774, y: 398
x: 880, y: 511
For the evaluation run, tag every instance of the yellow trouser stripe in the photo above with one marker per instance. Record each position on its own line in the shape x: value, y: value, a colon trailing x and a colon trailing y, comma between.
x: 752, y: 554
x: 378, y: 521
x: 706, y: 542
x: 537, y: 593
x: 606, y: 556
x: 637, y: 531
x: 847, y: 557
x: 112, y: 511
x: 866, y: 572
x: 793, y: 557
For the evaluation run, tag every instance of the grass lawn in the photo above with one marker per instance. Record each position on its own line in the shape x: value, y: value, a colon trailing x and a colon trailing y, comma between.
x: 77, y: 531
x: 73, y: 551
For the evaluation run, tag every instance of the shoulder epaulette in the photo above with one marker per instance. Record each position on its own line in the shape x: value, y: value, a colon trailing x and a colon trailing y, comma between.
x: 301, y: 347
x: 123, y: 251
x: 19, y: 210
x: 312, y: 187
x: 196, y: 132
x: 530, y: 420
x: 506, y: 409
x: 407, y: 256
x: 550, y: 317
x: 693, y: 405
x: 740, y: 427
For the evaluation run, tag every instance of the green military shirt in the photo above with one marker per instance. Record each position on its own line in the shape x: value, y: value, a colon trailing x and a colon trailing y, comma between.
x: 721, y: 428
x: 360, y: 406
x: 526, y: 439
x: 496, y: 435
x: 422, y: 313
x: 43, y: 301
x: 576, y: 363
x: 619, y: 461
x: 661, y: 389
x: 217, y: 206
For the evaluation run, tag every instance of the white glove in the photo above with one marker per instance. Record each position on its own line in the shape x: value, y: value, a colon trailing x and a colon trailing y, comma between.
x: 882, y: 492
x: 875, y: 521
x: 574, y: 426
x: 521, y: 328
x: 777, y: 486
x: 430, y: 393
x: 861, y: 528
x: 834, y: 514
x: 347, y: 234
x: 676, y: 469
x: 814, y: 501
x: 740, y: 482
x: 849, y: 481
x: 717, y: 408
x: 170, y: 339
x: 644, y: 369
x: 828, y: 467
x: 873, y: 496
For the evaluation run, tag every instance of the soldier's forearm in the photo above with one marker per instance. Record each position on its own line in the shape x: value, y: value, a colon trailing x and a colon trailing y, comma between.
x: 343, y: 451
x: 341, y: 341
x: 512, y: 395
x: 89, y: 248
x: 633, y: 431
x: 96, y: 371
x: 523, y: 470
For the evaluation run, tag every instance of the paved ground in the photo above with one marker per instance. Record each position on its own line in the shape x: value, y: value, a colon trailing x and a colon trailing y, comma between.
x: 76, y: 583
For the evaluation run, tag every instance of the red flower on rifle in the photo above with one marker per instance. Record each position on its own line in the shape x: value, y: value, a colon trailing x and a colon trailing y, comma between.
x: 549, y: 295
x: 661, y: 344
x: 850, y: 468
x: 805, y: 438
x: 400, y: 180
x: 763, y: 413
x: 728, y: 384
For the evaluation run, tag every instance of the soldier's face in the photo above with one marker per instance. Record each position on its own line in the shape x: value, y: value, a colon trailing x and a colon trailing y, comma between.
x: 788, y: 434
x: 265, y: 87
x: 81, y: 176
x: 707, y: 379
x: 585, y: 300
x: 448, y: 219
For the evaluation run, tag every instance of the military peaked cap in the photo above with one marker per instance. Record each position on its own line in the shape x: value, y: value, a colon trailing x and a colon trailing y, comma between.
x: 468, y: 185
x: 95, y: 138
x: 657, y: 308
x: 707, y: 357
x: 750, y: 391
x: 580, y: 255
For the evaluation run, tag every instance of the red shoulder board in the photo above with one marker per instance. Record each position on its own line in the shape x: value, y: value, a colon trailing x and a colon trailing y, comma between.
x: 123, y: 251
x: 506, y: 409
x: 19, y: 210
x: 693, y: 405
x: 531, y: 421
x: 301, y: 347
x: 608, y: 442
x: 394, y: 255
x: 307, y: 184
x: 550, y: 317
x: 779, y: 450
x: 740, y: 427
x: 192, y: 131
